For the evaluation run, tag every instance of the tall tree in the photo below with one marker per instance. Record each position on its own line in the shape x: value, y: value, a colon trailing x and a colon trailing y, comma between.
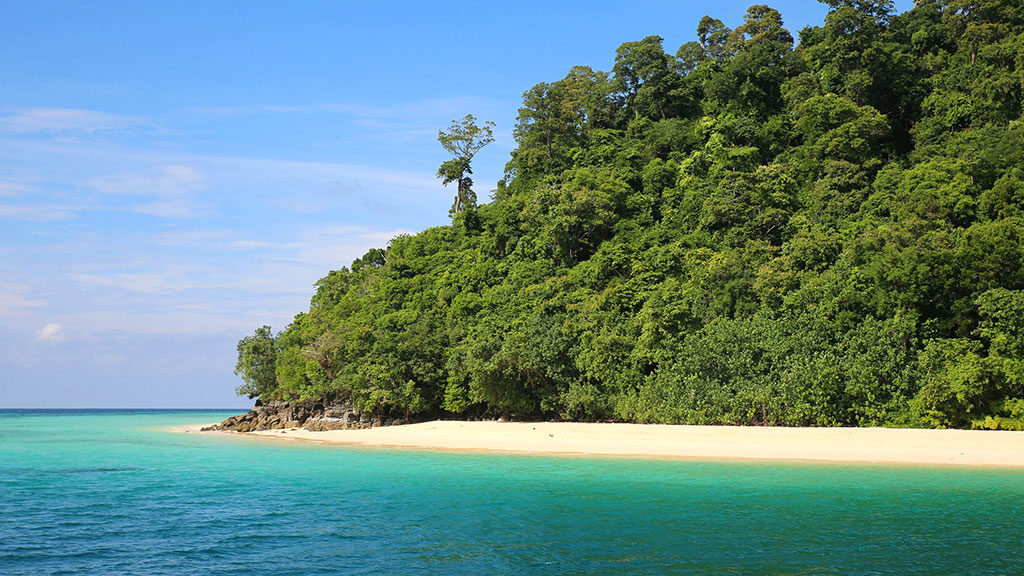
x: 714, y: 38
x: 851, y: 59
x: 762, y: 58
x: 644, y: 77
x: 462, y: 140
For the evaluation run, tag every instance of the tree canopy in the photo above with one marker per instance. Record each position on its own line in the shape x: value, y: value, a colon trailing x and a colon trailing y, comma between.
x: 750, y: 229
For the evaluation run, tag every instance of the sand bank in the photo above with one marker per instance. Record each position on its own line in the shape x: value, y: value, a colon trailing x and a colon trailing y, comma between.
x: 883, y: 445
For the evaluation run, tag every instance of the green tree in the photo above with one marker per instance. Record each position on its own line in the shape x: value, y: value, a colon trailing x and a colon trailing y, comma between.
x: 750, y: 233
x: 714, y: 38
x: 644, y: 77
x: 257, y: 363
x: 462, y: 140
x: 750, y: 81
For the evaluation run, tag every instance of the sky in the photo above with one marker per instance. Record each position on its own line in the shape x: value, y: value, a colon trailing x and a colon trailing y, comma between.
x: 175, y: 174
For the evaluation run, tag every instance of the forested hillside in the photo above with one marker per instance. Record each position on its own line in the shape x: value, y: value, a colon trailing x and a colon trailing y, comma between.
x: 752, y: 229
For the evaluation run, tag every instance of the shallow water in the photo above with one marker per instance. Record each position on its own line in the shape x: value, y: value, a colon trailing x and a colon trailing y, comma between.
x: 117, y: 493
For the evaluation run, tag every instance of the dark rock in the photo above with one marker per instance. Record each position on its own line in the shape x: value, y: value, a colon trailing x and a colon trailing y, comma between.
x: 336, y: 411
x: 314, y: 416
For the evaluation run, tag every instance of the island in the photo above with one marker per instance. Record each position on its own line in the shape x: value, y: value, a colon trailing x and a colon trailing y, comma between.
x: 757, y: 228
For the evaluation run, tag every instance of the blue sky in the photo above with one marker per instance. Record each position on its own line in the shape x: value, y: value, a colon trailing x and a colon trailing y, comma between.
x: 174, y: 175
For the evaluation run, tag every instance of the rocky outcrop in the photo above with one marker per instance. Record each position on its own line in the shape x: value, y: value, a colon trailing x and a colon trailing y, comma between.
x: 314, y: 416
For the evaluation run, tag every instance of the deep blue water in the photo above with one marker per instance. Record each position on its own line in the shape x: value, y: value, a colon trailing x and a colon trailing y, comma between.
x: 115, y: 492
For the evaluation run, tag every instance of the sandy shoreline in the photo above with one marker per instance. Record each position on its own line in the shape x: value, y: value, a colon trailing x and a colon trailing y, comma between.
x: 880, y: 445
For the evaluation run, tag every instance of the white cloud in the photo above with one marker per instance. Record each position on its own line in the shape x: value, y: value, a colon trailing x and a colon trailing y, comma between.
x: 258, y: 244
x: 38, y: 212
x: 170, y: 208
x: 9, y: 188
x: 250, y: 257
x: 172, y: 186
x: 333, y: 174
x: 238, y: 319
x: 330, y: 247
x: 16, y: 299
x: 52, y: 333
x: 193, y: 237
x: 169, y: 180
x: 283, y: 267
x: 63, y: 120
x: 159, y: 282
x: 399, y: 122
x: 448, y: 108
x: 13, y: 303
x: 217, y: 240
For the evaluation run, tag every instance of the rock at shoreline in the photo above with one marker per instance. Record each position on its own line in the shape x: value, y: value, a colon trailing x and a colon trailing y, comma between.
x: 314, y: 416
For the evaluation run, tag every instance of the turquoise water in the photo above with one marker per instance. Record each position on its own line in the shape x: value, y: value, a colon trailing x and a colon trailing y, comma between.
x: 116, y: 493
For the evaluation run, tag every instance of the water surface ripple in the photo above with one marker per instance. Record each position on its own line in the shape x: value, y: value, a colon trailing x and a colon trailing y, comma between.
x: 117, y: 493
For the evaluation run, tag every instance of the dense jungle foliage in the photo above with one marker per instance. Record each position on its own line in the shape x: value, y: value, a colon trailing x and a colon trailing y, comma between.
x: 753, y: 230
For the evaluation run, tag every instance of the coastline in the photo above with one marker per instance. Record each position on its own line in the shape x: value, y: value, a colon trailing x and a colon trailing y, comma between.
x: 851, y: 445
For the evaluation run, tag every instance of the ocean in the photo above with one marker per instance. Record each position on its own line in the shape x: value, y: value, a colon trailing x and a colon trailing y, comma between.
x: 117, y: 492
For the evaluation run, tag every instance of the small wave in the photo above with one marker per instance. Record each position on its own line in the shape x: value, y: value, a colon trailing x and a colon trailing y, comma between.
x: 99, y: 470
x: 64, y: 471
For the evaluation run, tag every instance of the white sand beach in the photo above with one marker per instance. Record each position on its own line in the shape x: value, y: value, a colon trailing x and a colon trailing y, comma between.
x: 881, y: 445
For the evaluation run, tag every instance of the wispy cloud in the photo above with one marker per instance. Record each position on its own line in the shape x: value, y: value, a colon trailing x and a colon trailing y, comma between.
x: 178, y: 319
x: 283, y: 265
x: 334, y: 246
x: 38, y: 212
x: 244, y: 236
x: 11, y: 188
x: 148, y: 282
x: 164, y: 181
x: 64, y: 121
x: 399, y: 122
x: 17, y: 299
x: 260, y: 244
x: 214, y: 239
x: 193, y: 237
x: 343, y: 175
x: 250, y: 109
x: 217, y: 240
x: 408, y: 109
x: 167, y: 184
x: 171, y: 187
